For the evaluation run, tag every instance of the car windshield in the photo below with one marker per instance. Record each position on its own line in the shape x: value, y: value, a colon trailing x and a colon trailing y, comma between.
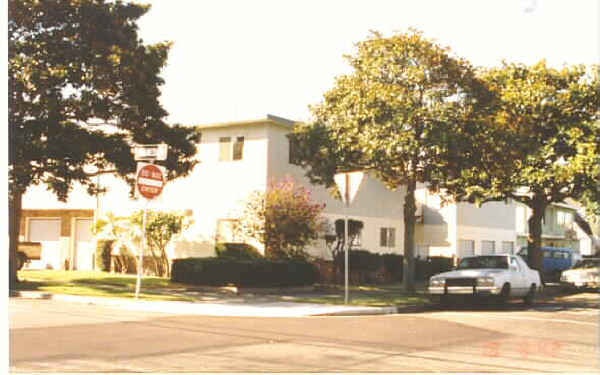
x: 483, y: 262
x: 588, y: 263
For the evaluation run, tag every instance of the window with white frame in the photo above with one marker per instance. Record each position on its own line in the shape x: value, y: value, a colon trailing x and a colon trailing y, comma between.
x: 488, y: 247
x: 507, y: 247
x: 387, y: 237
x: 226, y: 230
x: 564, y: 219
x: 229, y: 150
x: 356, y: 241
x: 466, y: 248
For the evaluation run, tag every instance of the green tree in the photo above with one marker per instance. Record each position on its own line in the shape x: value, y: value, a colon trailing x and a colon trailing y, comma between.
x: 284, y: 218
x: 82, y: 88
x: 161, y: 227
x: 543, y: 145
x: 397, y: 116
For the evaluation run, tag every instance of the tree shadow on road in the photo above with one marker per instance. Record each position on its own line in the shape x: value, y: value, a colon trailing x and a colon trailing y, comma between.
x: 540, y: 306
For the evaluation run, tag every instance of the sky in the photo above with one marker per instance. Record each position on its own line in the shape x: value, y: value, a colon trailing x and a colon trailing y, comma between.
x: 239, y: 60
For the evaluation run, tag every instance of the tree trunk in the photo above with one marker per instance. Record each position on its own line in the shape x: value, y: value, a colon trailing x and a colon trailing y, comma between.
x: 14, y: 226
x: 534, y: 239
x: 165, y: 260
x: 410, y: 209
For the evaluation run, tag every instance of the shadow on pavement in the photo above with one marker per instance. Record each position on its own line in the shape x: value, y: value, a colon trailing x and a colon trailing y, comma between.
x: 557, y: 303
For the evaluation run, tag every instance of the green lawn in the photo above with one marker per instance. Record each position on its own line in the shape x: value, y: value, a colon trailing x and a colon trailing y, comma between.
x: 99, y: 284
x: 370, y: 295
x: 104, y: 284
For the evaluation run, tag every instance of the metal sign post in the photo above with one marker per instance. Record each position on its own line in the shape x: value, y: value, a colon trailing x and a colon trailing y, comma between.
x: 348, y: 183
x: 140, y: 270
x: 150, y: 182
x: 347, y: 245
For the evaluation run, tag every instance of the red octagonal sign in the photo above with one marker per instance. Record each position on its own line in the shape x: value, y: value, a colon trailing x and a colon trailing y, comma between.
x: 150, y: 181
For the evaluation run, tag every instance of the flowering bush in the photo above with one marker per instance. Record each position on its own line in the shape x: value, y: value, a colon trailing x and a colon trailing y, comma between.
x: 284, y: 218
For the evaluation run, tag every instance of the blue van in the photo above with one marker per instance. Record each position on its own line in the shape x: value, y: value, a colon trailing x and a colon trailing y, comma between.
x: 556, y: 260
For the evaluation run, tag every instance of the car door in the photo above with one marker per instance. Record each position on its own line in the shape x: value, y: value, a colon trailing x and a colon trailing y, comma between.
x: 518, y: 276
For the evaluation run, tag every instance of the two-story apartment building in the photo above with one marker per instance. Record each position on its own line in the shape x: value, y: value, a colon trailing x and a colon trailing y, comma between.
x: 558, y: 228
x: 237, y: 158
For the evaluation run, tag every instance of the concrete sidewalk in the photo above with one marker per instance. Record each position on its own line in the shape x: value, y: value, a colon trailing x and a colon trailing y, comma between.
x: 265, y: 303
x: 233, y: 306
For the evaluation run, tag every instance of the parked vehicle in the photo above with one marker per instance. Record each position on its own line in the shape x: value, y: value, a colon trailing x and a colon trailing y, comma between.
x: 502, y: 276
x: 585, y: 274
x: 556, y: 260
x: 27, y: 252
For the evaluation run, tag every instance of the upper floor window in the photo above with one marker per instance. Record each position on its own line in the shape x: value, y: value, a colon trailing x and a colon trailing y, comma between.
x: 231, y: 151
x: 564, y: 219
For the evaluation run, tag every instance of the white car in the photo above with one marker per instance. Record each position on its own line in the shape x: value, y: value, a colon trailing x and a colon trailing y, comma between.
x: 504, y: 276
x: 585, y: 274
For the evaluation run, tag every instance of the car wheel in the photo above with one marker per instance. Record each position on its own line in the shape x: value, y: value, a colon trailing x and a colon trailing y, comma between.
x: 504, y: 293
x: 530, y: 296
x: 21, y: 260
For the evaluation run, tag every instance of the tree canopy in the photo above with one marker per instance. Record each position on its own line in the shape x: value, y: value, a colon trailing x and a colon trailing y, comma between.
x: 397, y: 115
x: 544, y: 135
x: 83, y: 87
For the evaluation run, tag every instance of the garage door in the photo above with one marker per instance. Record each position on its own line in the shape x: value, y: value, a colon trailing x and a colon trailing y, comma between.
x: 46, y: 231
x: 84, y: 245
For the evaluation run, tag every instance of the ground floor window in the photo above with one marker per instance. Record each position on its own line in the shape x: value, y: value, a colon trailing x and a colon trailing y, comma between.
x: 466, y: 248
x: 225, y: 230
x: 488, y: 247
x: 422, y: 251
x: 387, y: 237
x: 507, y: 247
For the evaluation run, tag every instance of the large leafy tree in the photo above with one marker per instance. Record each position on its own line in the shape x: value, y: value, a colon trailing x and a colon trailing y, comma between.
x: 82, y: 88
x: 398, y: 116
x: 544, y: 135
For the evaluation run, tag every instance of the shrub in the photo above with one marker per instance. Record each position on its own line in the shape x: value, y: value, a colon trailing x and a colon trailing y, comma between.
x: 393, y: 264
x: 284, y: 218
x: 103, y: 249
x: 256, y: 272
x: 237, y: 251
x: 363, y: 260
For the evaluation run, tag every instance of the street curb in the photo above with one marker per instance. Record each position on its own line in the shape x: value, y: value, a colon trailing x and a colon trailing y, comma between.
x: 146, y: 305
x: 409, y: 309
x: 364, y: 311
x: 30, y: 295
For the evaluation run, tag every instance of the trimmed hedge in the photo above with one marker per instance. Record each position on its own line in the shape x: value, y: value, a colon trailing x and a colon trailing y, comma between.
x: 393, y: 265
x: 103, y: 250
x: 237, y: 251
x: 368, y: 266
x: 258, y: 272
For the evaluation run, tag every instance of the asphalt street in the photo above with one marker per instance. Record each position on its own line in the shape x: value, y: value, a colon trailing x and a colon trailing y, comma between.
x: 54, y: 336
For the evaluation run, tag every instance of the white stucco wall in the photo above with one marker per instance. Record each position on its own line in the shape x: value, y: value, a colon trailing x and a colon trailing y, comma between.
x: 217, y: 189
x: 375, y: 205
x: 436, y: 235
x: 493, y: 221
